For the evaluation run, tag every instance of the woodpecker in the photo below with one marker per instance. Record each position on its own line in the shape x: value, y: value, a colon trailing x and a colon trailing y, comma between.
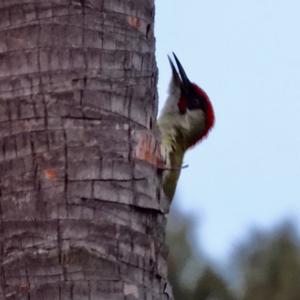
x: 186, y: 119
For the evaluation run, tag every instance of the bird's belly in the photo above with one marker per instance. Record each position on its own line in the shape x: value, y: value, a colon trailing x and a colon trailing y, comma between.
x: 173, y: 161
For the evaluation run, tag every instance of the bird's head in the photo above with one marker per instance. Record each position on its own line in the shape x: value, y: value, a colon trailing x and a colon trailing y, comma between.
x: 192, y: 97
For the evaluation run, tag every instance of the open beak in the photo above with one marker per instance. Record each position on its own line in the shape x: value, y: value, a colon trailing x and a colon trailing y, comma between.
x: 180, y: 77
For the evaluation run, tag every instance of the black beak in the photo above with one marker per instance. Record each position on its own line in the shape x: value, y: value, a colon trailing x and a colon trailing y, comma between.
x: 181, y: 77
x: 174, y: 71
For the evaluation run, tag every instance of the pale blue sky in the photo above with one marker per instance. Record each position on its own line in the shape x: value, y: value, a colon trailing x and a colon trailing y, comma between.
x: 246, y: 55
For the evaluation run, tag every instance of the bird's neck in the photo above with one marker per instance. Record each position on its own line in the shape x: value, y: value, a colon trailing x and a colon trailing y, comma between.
x: 181, y: 130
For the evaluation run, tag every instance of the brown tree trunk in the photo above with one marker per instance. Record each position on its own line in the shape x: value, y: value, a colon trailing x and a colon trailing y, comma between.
x: 80, y: 218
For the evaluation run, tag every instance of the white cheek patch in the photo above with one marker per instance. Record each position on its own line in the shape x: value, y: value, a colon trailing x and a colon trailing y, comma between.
x: 194, y: 119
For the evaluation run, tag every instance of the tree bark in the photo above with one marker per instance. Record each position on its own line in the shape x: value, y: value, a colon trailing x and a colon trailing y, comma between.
x: 80, y: 217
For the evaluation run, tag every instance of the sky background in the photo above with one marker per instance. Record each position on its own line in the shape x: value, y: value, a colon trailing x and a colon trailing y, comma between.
x: 246, y: 56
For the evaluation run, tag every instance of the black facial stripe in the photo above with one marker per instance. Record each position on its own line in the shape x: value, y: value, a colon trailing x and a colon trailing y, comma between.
x: 194, y: 100
x: 196, y: 104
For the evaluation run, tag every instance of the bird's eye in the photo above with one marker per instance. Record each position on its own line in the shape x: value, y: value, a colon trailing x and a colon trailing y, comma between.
x: 195, y: 103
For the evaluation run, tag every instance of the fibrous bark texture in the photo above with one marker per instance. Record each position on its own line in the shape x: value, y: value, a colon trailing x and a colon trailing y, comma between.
x: 80, y: 218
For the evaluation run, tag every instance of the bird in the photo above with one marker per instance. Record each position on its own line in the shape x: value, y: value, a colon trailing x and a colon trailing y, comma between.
x: 185, y: 120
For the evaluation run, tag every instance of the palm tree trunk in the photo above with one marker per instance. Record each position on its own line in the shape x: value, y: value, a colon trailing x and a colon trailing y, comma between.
x: 80, y: 218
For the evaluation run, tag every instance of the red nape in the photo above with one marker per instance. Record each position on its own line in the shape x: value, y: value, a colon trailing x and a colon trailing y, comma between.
x: 209, y: 115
